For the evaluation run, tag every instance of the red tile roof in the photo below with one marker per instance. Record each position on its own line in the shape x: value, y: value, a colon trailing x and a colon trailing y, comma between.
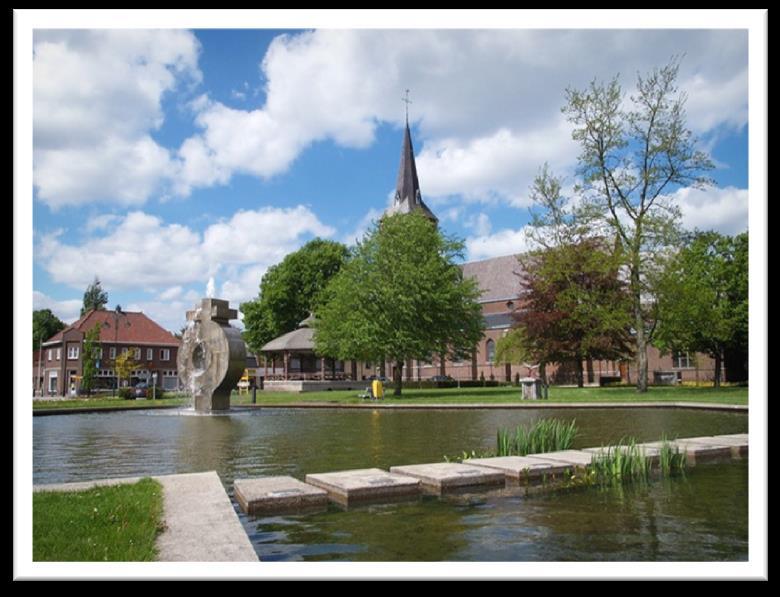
x: 127, y: 328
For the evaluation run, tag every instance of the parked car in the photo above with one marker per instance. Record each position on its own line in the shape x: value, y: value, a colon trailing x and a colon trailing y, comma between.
x: 442, y: 378
x: 141, y: 390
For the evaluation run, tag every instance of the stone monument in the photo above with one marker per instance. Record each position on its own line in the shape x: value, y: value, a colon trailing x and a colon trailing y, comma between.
x: 212, y: 356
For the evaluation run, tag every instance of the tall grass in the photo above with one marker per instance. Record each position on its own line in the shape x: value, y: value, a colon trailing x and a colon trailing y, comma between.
x: 624, y: 461
x: 546, y: 435
x: 670, y: 459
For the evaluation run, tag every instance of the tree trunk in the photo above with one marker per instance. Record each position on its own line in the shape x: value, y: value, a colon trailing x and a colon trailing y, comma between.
x: 398, y: 377
x: 580, y: 372
x: 718, y: 365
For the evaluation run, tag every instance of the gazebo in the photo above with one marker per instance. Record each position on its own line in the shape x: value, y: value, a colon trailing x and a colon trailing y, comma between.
x: 295, y: 350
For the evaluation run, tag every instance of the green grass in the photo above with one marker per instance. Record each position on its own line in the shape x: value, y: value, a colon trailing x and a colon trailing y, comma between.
x: 450, y: 396
x: 106, y: 402
x: 117, y: 523
x: 504, y: 395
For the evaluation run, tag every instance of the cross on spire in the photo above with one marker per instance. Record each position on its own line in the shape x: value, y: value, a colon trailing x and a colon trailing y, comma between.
x: 407, y: 101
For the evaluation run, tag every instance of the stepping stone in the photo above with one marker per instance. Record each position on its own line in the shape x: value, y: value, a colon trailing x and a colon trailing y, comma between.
x: 444, y: 476
x: 576, y: 458
x: 520, y: 468
x: 363, y: 485
x: 696, y: 451
x: 277, y: 495
x: 739, y: 446
x: 650, y: 452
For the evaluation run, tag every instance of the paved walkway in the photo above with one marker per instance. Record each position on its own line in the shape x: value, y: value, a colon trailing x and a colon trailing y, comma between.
x: 201, y: 524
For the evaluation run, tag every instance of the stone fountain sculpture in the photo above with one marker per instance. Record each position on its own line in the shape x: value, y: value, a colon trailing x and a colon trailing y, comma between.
x: 212, y: 356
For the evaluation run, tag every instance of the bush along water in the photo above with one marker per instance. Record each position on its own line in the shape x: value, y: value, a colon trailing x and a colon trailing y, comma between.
x: 627, y: 461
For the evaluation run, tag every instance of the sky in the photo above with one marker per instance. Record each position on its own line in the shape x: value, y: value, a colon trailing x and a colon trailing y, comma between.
x: 170, y: 163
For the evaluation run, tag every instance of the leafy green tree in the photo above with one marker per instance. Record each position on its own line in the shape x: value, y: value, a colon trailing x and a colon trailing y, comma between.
x: 290, y: 291
x: 401, y: 296
x: 88, y: 370
x: 703, y: 297
x: 45, y: 325
x: 576, y: 307
x: 635, y: 152
x: 94, y: 297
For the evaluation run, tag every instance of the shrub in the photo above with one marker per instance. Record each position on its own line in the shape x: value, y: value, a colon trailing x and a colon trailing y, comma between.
x: 125, y: 393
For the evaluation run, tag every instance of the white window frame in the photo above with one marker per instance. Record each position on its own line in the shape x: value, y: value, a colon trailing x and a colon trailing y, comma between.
x: 59, y: 354
x: 165, y: 354
x: 150, y: 354
x: 137, y: 354
x: 51, y: 354
x: 112, y: 352
x: 73, y: 353
x: 678, y: 358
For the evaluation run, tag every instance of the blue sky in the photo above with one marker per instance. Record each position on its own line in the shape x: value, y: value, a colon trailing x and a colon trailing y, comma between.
x: 165, y: 161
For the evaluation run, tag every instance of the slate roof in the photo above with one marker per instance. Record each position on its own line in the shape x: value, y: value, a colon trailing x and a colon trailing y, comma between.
x: 496, y: 277
x: 133, y: 328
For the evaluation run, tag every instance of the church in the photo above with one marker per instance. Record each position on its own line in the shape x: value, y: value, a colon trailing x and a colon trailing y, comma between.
x: 291, y: 356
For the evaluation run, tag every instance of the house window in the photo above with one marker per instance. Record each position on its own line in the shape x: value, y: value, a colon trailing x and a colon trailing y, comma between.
x: 73, y: 352
x: 97, y: 353
x: 682, y: 360
x: 165, y: 354
x: 51, y: 354
x: 137, y: 354
x: 112, y: 352
x: 59, y: 353
x: 490, y: 351
x: 149, y: 354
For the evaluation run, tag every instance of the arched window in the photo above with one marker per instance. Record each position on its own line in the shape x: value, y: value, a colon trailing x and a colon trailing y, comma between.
x: 490, y: 351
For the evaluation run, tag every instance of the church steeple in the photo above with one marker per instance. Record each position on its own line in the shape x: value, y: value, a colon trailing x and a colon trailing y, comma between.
x: 407, y: 187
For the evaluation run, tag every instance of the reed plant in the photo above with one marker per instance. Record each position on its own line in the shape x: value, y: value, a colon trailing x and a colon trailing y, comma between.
x: 624, y: 461
x: 670, y: 460
x: 546, y: 435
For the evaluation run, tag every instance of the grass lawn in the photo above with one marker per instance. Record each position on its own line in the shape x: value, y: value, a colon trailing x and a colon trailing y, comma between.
x: 502, y: 395
x: 116, y: 523
x: 106, y: 402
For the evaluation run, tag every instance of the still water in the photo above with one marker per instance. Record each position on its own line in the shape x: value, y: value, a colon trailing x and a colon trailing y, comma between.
x: 697, y: 518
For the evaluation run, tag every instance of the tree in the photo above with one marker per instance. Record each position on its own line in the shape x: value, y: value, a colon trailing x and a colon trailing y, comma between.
x: 94, y: 297
x: 90, y: 345
x: 290, y: 291
x: 633, y: 155
x: 45, y: 325
x: 125, y: 364
x: 575, y: 305
x: 703, y: 297
x: 400, y: 297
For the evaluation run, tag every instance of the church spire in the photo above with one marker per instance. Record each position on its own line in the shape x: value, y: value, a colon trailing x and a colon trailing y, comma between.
x: 407, y: 186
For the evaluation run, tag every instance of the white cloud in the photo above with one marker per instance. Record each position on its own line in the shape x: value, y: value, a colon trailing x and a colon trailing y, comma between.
x: 503, y: 242
x: 96, y: 98
x: 142, y: 252
x: 487, y: 102
x: 67, y: 310
x: 724, y: 210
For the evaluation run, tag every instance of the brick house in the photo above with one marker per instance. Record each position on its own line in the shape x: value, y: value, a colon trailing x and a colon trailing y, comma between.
x: 155, y: 348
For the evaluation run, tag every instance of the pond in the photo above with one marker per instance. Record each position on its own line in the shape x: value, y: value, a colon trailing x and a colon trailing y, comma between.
x: 682, y: 519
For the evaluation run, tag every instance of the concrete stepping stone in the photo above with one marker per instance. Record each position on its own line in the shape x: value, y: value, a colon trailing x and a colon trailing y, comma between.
x: 652, y: 453
x: 440, y: 477
x: 364, y: 485
x: 521, y: 468
x: 277, y: 495
x: 739, y: 446
x: 576, y: 458
x: 696, y: 451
